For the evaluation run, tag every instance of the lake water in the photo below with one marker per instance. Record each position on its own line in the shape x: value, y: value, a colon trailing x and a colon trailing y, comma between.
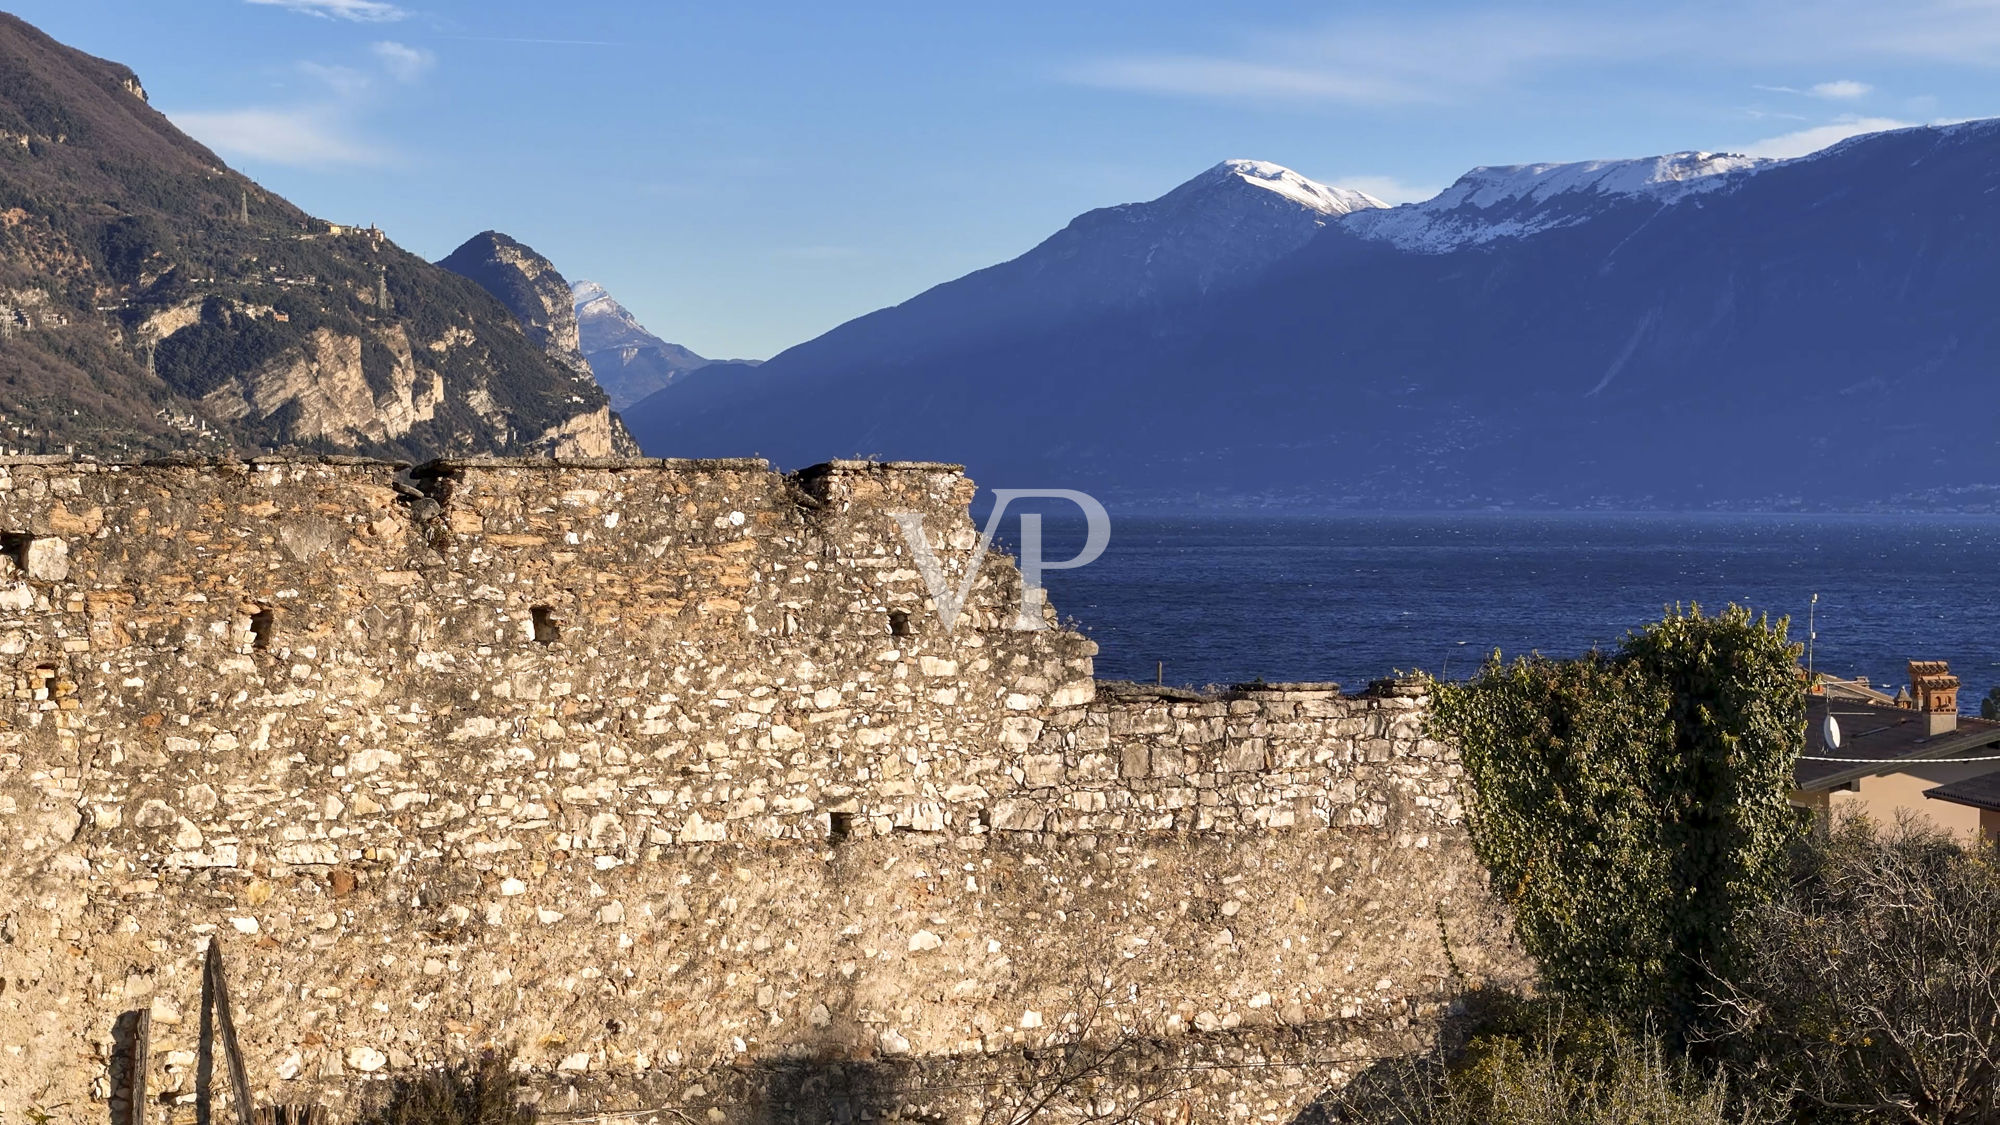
x: 1351, y: 598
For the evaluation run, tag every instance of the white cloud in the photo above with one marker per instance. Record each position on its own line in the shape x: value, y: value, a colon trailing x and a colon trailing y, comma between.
x: 1820, y: 136
x: 1411, y: 54
x: 302, y: 137
x: 1232, y: 78
x: 320, y: 132
x: 358, y: 11
x: 344, y: 81
x: 1388, y: 189
x: 403, y: 62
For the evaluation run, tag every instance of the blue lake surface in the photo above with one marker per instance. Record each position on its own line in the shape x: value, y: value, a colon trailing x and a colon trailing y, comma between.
x: 1352, y: 598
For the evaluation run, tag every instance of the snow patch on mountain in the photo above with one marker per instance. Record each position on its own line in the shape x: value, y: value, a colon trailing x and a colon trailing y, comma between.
x: 1522, y: 199
x: 629, y: 362
x: 1311, y: 194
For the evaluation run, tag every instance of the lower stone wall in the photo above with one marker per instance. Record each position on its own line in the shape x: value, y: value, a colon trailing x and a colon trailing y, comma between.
x: 904, y: 947
x: 1262, y: 1074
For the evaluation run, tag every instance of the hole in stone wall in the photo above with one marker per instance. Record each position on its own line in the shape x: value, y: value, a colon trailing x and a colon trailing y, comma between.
x: 263, y: 626
x: 544, y: 619
x: 840, y: 826
x: 899, y: 623
x: 14, y: 552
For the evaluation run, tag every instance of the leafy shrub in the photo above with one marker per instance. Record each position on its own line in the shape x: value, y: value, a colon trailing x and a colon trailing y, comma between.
x: 1631, y: 807
x: 1538, y: 1063
x: 474, y: 1091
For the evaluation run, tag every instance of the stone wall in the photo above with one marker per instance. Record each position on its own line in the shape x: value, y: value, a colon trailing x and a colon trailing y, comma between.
x: 653, y: 771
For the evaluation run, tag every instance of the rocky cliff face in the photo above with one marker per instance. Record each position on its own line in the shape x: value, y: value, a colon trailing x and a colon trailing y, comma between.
x: 530, y: 287
x: 154, y: 301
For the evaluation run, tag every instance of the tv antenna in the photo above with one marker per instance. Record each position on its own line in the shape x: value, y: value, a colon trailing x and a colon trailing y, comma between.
x: 1812, y: 634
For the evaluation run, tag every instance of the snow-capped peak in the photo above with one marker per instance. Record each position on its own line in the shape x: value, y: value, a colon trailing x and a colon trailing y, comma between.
x: 1306, y: 193
x: 584, y: 292
x: 1521, y: 199
x: 1669, y: 175
x: 603, y: 322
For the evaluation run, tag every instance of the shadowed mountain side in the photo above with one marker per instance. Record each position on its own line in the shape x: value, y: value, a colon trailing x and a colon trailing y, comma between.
x: 1814, y: 333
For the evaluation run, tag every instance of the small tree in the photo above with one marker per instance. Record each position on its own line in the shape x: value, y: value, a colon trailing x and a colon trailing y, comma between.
x: 1631, y: 807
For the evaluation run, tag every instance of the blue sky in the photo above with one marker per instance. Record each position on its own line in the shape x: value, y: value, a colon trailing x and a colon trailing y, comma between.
x: 746, y: 175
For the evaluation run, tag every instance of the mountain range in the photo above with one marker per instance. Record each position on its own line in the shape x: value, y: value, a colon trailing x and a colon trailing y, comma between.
x: 1686, y: 331
x: 154, y: 301
x: 630, y: 362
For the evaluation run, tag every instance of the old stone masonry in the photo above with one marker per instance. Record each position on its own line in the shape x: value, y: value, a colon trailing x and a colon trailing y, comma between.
x: 667, y: 777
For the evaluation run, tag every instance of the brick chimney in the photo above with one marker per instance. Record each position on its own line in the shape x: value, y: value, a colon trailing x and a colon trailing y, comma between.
x: 1934, y: 690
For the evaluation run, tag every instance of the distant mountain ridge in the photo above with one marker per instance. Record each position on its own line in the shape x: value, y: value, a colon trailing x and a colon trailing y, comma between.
x: 154, y: 301
x: 1686, y: 331
x: 630, y: 362
x: 1217, y: 230
x: 1518, y: 200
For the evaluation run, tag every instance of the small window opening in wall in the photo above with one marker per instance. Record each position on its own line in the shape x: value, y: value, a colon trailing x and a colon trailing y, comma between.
x: 840, y: 826
x: 544, y: 619
x: 14, y: 552
x: 263, y: 626
x: 899, y: 623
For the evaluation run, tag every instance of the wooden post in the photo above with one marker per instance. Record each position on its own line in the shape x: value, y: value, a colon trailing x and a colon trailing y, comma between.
x: 142, y: 1041
x: 239, y: 1077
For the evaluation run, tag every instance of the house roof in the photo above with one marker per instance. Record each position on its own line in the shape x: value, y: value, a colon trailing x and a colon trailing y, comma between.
x: 1870, y: 731
x: 1982, y: 792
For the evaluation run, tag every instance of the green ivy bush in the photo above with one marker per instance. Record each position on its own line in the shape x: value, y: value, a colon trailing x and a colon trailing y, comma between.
x: 1631, y: 806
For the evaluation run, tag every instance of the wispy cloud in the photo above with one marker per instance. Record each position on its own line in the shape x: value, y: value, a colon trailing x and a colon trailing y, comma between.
x: 1388, y: 189
x: 541, y: 42
x: 1375, y: 60
x: 343, y: 81
x: 324, y: 130
x: 1235, y: 78
x: 357, y: 11
x: 301, y: 137
x: 403, y: 62
x: 1819, y: 136
x: 1758, y: 113
x: 1428, y: 56
x: 1841, y: 90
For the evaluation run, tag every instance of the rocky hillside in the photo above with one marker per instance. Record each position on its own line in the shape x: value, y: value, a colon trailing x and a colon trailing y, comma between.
x: 152, y: 300
x: 629, y: 362
x: 529, y: 286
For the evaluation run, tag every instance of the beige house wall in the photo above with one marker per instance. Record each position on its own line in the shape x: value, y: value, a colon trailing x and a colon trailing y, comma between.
x: 1886, y: 798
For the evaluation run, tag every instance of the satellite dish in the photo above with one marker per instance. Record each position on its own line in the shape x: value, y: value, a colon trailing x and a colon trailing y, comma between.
x: 1830, y: 733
